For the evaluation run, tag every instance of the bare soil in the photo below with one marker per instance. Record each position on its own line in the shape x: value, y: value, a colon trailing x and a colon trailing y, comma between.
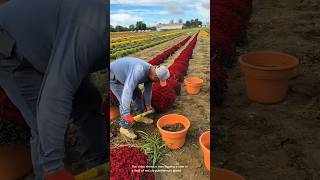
x: 279, y: 141
x: 174, y: 128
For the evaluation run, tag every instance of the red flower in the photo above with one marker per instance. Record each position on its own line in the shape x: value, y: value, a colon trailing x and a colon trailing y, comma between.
x: 126, y: 162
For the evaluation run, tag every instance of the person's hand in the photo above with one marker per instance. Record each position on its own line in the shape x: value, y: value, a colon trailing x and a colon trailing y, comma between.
x: 63, y: 175
x: 129, y: 118
x: 149, y: 108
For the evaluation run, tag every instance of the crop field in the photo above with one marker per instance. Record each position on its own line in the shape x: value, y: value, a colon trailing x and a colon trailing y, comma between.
x: 186, y: 53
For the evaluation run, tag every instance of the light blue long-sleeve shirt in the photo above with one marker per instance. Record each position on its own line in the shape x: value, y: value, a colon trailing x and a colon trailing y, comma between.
x: 131, y: 72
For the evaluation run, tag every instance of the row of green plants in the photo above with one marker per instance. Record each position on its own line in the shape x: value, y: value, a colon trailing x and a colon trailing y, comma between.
x: 149, y: 40
x: 125, y: 52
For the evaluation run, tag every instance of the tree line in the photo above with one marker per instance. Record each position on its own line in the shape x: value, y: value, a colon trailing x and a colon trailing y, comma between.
x: 140, y: 25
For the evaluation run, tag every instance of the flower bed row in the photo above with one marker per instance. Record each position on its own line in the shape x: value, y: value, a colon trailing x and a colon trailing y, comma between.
x: 158, y: 59
x: 127, y: 41
x: 132, y: 49
x: 229, y: 19
x: 129, y: 163
x: 163, y: 97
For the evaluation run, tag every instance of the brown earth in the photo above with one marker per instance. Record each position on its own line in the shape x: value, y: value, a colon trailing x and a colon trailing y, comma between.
x: 280, y: 141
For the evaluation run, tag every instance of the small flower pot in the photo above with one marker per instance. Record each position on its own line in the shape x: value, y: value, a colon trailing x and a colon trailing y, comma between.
x: 223, y: 174
x: 267, y: 75
x: 193, y: 85
x: 173, y: 140
x: 204, y: 141
x: 114, y: 113
x: 15, y: 162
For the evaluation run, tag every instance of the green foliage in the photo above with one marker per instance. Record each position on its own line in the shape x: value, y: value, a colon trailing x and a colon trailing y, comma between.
x: 153, y: 147
x: 193, y: 23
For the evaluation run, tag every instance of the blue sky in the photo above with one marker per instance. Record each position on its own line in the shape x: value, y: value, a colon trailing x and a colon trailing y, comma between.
x: 152, y: 12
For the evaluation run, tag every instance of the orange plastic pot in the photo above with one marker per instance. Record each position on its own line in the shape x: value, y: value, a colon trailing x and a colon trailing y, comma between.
x: 223, y: 174
x: 267, y: 75
x: 204, y: 141
x: 193, y: 85
x: 114, y: 113
x: 15, y: 162
x: 173, y: 140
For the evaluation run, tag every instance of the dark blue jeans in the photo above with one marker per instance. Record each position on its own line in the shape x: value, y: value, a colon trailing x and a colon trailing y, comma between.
x: 87, y: 112
x: 117, y: 89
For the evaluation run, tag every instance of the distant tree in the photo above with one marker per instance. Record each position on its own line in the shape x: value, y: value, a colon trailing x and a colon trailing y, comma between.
x: 187, y: 24
x: 112, y: 28
x: 153, y: 28
x: 180, y: 21
x: 140, y: 25
x: 119, y: 28
x: 193, y: 23
x: 171, y: 21
x: 131, y: 27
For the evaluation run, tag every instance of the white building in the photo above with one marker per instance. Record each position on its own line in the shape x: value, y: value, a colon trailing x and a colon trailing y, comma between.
x: 173, y: 26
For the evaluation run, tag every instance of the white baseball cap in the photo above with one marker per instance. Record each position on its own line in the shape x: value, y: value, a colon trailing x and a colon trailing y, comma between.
x: 163, y: 74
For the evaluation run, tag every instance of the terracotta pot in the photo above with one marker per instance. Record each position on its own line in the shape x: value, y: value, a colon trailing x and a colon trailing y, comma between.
x: 193, y: 85
x: 267, y: 75
x: 223, y: 174
x: 114, y: 113
x: 15, y: 162
x: 204, y: 141
x: 173, y: 140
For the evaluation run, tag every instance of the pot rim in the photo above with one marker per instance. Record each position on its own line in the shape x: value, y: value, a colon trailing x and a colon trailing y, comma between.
x: 285, y: 67
x: 228, y: 171
x: 177, y: 132
x: 187, y: 82
x: 201, y: 143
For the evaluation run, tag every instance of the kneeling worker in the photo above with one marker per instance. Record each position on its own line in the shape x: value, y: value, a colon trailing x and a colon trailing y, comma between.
x: 125, y: 76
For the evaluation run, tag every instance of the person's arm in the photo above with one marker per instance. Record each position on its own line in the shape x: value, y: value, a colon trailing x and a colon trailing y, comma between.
x: 148, y: 94
x: 77, y: 49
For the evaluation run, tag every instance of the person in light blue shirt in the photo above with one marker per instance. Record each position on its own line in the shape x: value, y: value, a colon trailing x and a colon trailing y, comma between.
x: 125, y: 76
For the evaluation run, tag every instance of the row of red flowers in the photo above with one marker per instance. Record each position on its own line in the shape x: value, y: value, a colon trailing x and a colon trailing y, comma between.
x: 158, y: 59
x: 229, y: 19
x: 163, y: 97
x: 129, y: 163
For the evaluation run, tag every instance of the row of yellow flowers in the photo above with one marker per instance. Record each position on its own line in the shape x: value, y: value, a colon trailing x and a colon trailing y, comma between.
x: 140, y: 40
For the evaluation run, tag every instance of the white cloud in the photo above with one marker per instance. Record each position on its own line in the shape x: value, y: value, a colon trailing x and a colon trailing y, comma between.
x: 139, y: 12
x: 201, y: 8
x: 174, y: 9
x: 123, y: 19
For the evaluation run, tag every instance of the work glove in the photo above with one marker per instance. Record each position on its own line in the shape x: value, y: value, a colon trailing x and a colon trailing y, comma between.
x: 63, y: 175
x: 129, y: 118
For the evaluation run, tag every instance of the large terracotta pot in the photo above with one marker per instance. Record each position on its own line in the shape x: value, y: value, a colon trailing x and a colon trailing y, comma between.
x: 15, y: 162
x: 204, y: 141
x: 193, y: 85
x: 223, y: 174
x: 267, y: 75
x: 173, y: 140
x: 114, y: 113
